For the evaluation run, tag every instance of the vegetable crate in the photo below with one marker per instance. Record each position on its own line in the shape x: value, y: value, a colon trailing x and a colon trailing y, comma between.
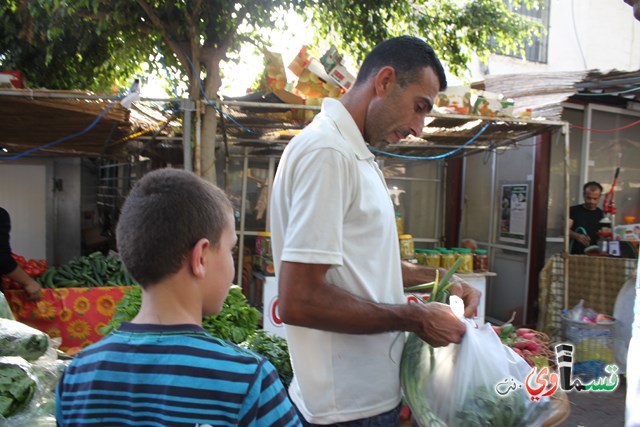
x: 76, y: 315
x: 594, y: 344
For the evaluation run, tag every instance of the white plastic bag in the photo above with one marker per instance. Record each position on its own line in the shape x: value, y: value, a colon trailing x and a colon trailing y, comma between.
x: 5, y: 309
x: 457, y: 383
x: 623, y: 313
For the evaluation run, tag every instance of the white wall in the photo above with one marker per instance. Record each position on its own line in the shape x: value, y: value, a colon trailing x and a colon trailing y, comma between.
x: 605, y: 36
x: 23, y: 195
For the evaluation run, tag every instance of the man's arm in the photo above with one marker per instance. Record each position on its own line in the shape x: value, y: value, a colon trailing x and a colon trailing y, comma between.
x: 307, y: 299
x: 30, y: 286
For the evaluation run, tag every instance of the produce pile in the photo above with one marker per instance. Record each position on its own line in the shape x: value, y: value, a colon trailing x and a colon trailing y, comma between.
x: 532, y: 345
x: 93, y: 270
x: 237, y: 322
x: 33, y: 267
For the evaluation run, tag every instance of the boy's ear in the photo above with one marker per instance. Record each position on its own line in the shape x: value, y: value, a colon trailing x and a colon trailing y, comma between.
x: 197, y: 258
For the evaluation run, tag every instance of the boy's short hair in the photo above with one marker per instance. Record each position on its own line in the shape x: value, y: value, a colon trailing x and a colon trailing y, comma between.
x: 163, y: 217
x: 408, y: 55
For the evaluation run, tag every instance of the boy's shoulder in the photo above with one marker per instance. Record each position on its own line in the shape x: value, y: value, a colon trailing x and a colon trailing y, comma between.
x: 151, y: 340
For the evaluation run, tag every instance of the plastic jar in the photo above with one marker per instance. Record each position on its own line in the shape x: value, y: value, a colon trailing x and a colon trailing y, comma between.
x: 447, y: 259
x: 432, y: 258
x: 406, y: 247
x: 399, y: 223
x: 480, y: 261
x: 467, y: 263
x: 421, y: 256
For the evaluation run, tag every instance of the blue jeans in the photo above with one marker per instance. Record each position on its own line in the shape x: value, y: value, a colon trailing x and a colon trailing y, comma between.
x: 387, y: 419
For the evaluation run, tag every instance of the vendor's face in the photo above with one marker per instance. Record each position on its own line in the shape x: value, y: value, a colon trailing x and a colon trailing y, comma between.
x: 400, y: 111
x: 591, y: 198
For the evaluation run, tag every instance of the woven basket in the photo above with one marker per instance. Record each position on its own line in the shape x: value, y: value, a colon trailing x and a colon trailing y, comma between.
x: 593, y: 346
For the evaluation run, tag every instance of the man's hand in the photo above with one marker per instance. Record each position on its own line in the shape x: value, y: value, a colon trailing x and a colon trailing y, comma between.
x: 33, y: 290
x: 470, y: 295
x: 30, y: 286
x: 583, y: 239
x: 439, y: 326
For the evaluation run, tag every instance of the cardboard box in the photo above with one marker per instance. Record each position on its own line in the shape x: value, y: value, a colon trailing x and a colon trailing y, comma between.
x: 332, y: 62
x: 300, y: 62
x: 454, y: 100
x: 274, y: 76
x: 627, y: 232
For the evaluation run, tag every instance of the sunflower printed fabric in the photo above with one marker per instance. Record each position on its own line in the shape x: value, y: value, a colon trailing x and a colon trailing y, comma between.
x: 77, y: 315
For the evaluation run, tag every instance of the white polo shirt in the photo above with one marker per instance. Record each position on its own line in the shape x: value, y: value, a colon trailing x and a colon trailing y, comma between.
x: 330, y: 205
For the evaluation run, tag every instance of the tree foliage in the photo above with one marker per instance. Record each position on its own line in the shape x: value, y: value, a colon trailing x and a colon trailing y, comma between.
x: 96, y: 44
x: 99, y: 44
x: 455, y: 29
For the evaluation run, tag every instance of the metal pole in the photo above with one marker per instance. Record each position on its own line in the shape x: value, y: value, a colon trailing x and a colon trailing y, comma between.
x: 198, y: 145
x: 187, y: 108
x: 245, y: 168
x: 567, y: 197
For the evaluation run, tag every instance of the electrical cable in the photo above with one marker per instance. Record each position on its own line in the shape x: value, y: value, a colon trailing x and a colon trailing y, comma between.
x: 65, y: 138
x: 637, y: 122
x: 439, y: 156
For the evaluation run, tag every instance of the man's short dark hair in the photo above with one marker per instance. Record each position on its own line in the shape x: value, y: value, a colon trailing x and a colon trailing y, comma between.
x: 407, y: 55
x: 163, y: 217
x: 591, y: 185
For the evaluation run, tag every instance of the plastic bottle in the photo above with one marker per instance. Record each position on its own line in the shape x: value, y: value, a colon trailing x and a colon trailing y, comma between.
x: 399, y: 223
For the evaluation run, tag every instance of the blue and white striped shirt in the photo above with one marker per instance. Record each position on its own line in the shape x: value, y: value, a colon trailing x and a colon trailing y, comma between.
x: 176, y: 375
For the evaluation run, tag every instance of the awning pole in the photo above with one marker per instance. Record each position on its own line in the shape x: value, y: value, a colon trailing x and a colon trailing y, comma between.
x: 567, y: 198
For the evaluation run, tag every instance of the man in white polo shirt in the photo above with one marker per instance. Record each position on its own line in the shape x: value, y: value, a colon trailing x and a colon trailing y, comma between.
x: 336, y: 251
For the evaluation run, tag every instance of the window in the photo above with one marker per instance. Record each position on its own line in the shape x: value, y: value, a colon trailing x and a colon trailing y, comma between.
x: 536, y: 50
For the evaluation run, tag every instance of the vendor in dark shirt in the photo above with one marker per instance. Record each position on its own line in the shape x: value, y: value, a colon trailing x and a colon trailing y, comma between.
x: 9, y: 267
x: 584, y: 219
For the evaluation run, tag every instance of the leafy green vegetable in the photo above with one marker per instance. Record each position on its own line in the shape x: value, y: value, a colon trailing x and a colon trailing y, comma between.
x: 484, y: 407
x: 276, y: 350
x: 16, y: 387
x: 236, y: 321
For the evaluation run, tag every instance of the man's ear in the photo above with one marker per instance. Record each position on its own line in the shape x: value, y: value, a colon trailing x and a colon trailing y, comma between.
x: 384, y: 80
x: 197, y: 258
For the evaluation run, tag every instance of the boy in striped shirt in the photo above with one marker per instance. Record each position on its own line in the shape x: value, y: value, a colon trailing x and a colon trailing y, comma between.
x: 176, y: 236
